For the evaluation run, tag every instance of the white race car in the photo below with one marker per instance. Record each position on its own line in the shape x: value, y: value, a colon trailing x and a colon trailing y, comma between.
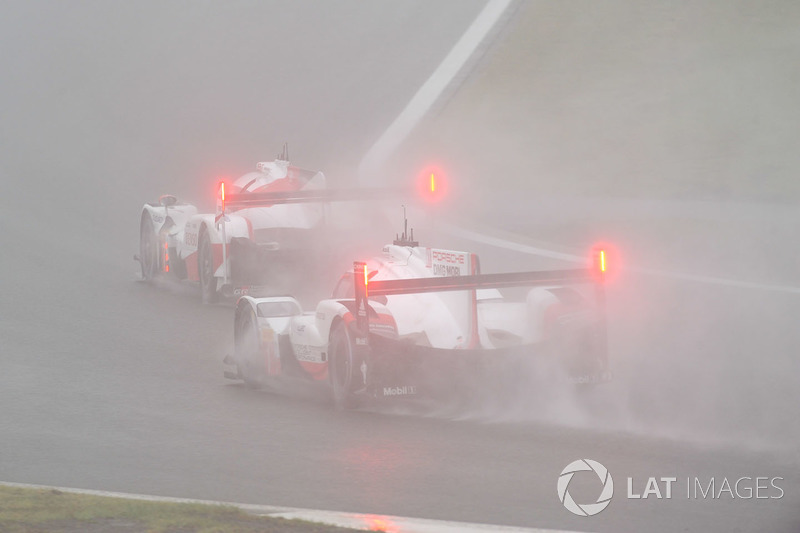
x: 265, y: 223
x: 416, y: 318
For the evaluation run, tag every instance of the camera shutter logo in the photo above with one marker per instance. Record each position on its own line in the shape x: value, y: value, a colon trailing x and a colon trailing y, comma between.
x: 585, y: 509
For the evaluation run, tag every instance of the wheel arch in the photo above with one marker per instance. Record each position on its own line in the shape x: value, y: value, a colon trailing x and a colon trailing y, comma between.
x: 156, y: 219
x: 336, y: 310
x: 243, y: 304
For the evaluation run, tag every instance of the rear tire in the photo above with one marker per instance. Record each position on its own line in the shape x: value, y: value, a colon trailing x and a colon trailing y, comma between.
x: 205, y: 266
x: 343, y: 367
x: 148, y: 248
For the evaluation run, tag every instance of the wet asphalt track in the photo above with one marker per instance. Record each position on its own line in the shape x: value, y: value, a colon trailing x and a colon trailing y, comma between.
x: 125, y: 392
x: 107, y: 383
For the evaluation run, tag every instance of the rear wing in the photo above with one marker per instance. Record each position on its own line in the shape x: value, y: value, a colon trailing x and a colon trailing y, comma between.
x: 364, y: 288
x: 234, y: 201
x: 476, y: 281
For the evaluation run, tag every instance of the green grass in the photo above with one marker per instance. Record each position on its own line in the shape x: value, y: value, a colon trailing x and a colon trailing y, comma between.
x: 33, y: 510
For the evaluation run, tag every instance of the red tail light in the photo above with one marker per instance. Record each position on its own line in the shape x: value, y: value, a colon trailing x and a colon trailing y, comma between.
x: 602, y: 257
x: 366, y: 282
x: 222, y: 194
x: 432, y: 185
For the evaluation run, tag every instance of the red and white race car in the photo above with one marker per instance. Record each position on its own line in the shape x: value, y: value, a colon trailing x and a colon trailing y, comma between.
x: 416, y: 317
x: 265, y: 223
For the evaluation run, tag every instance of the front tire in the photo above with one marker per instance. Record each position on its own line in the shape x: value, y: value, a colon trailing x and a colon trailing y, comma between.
x: 205, y: 266
x: 148, y: 248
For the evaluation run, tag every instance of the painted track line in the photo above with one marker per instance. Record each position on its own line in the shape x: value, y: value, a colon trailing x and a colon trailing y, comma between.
x: 365, y: 522
x: 432, y: 89
x: 552, y: 254
x: 510, y: 245
x: 425, y: 98
x: 711, y: 280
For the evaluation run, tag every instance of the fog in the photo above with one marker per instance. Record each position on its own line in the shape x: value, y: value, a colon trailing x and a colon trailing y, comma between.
x: 667, y: 129
x: 106, y: 107
x: 135, y: 99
